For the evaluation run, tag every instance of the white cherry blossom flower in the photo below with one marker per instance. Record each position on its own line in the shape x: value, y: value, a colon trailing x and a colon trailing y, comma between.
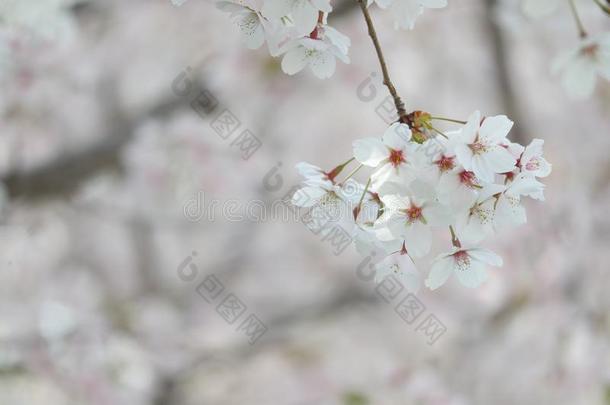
x: 532, y: 162
x: 44, y: 19
x: 468, y: 264
x: 319, y: 53
x: 394, y: 156
x: 580, y: 67
x: 304, y: 13
x: 478, y: 146
x: 405, y: 12
x: 477, y: 222
x: 458, y: 187
x: 509, y: 211
x: 411, y: 218
x: 321, y: 188
x: 253, y: 27
x: 401, y: 266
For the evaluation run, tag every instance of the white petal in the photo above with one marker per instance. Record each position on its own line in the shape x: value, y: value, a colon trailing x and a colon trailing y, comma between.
x: 397, y: 136
x: 294, y: 60
x: 370, y: 151
x: 481, y: 169
x: 495, y: 128
x: 439, y: 273
x: 307, y: 196
x: 469, y: 131
x: 276, y: 8
x: 323, y: 65
x: 499, y: 160
x: 305, y: 17
x: 486, y: 256
x: 464, y: 156
x: 252, y: 33
x: 473, y: 275
x: 395, y: 202
x: 579, y: 78
x: 308, y: 170
x: 418, y: 239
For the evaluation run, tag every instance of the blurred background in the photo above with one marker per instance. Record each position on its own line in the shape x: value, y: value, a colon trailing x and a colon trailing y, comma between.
x: 120, y: 285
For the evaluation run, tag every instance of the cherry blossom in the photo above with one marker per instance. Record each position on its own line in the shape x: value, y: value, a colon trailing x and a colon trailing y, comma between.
x: 322, y: 189
x: 410, y: 218
x: 400, y: 265
x: 509, y: 211
x: 247, y: 16
x: 405, y: 12
x: 532, y: 162
x: 479, y: 149
x: 468, y: 264
x: 580, y: 66
x: 477, y: 222
x: 303, y: 13
x: 318, y: 53
x: 393, y: 156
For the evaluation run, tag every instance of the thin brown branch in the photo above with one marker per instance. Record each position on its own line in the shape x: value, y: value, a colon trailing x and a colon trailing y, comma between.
x: 581, y: 29
x: 400, y: 106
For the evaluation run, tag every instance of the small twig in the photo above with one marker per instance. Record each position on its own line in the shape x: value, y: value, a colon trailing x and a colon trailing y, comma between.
x: 400, y: 106
x: 349, y: 176
x: 454, y: 239
x: 449, y: 120
x: 359, y: 206
x: 581, y: 29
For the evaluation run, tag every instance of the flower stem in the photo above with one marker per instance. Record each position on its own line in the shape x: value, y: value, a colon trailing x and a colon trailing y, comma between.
x: 352, y: 173
x: 359, y: 206
x: 400, y: 106
x: 581, y: 29
x: 454, y: 240
x: 439, y: 132
x: 449, y: 120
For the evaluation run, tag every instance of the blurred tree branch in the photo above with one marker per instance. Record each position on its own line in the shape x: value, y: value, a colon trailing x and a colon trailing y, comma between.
x: 66, y: 173
x: 500, y: 54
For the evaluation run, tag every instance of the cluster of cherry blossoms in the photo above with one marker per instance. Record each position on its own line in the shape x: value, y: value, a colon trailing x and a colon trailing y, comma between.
x: 299, y: 30
x: 579, y: 66
x: 469, y: 183
x: 30, y: 23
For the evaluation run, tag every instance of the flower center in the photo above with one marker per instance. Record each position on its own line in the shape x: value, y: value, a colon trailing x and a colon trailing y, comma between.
x: 462, y: 260
x: 396, y: 157
x: 468, y: 179
x: 330, y: 203
x: 591, y: 50
x: 445, y: 163
x: 414, y: 213
x: 478, y: 147
x: 485, y: 215
x: 533, y: 164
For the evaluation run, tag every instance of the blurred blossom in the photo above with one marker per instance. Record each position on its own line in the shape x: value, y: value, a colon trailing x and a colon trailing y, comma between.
x: 99, y: 158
